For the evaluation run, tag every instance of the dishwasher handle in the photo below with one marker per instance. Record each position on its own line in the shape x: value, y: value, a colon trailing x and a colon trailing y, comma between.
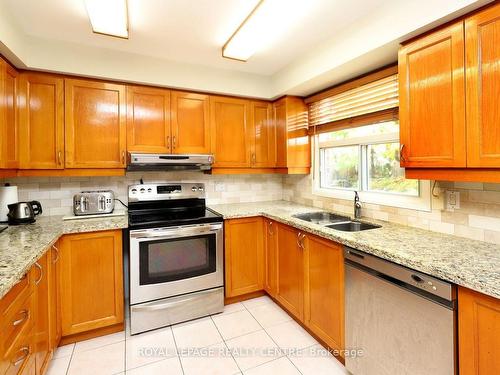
x: 401, y: 275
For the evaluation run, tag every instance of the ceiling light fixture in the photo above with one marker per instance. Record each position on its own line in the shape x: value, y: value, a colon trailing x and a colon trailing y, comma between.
x: 108, y: 17
x: 269, y: 20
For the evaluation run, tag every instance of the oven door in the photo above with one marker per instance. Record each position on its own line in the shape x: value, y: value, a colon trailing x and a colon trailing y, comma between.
x: 167, y: 262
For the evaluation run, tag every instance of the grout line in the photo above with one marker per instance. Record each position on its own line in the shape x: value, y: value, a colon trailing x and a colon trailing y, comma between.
x: 70, y: 359
x: 225, y: 344
x: 177, y: 349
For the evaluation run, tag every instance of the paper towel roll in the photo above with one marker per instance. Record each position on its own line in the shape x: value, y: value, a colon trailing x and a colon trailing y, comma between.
x: 8, y: 195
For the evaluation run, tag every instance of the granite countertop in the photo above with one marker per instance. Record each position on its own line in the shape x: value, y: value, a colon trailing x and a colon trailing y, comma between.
x: 21, y: 246
x: 469, y: 263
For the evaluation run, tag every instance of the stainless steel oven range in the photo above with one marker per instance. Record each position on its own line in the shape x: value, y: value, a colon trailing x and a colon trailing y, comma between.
x: 176, y: 255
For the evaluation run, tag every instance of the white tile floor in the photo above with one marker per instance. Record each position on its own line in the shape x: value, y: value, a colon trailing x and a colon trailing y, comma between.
x: 254, y: 337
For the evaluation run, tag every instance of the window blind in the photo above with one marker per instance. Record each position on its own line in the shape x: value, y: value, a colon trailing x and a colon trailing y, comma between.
x: 372, y: 97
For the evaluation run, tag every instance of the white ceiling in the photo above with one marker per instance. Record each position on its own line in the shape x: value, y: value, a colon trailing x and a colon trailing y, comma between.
x: 190, y: 31
x: 178, y: 42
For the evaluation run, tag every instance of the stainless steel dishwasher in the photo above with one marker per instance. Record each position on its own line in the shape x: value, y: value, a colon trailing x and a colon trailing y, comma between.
x: 403, y: 321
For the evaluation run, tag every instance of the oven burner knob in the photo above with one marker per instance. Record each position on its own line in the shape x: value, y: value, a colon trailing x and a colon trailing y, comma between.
x: 134, y: 191
x: 149, y: 190
x: 193, y: 188
x: 200, y: 189
x: 142, y: 190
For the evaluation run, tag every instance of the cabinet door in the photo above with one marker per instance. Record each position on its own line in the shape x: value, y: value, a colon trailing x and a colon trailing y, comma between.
x: 42, y: 276
x: 244, y: 253
x: 279, y: 114
x: 291, y: 270
x: 431, y: 100
x: 91, y: 281
x: 271, y: 271
x: 95, y: 124
x: 41, y: 121
x: 324, y: 291
x: 478, y: 328
x: 231, y: 132
x: 190, y: 123
x: 9, y: 153
x: 148, y: 120
x: 55, y: 297
x: 482, y: 40
x: 264, y: 136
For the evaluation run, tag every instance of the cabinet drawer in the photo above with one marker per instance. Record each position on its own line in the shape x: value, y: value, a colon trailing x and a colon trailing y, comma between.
x: 16, y: 321
x: 19, y: 355
x: 15, y: 296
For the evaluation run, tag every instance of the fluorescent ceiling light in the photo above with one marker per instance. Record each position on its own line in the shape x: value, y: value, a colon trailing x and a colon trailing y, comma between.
x: 263, y: 25
x: 108, y: 17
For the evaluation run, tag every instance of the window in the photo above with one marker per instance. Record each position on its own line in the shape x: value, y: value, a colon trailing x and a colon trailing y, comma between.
x: 366, y: 159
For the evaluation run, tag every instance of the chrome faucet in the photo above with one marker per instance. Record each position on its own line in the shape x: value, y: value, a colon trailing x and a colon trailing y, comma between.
x: 357, y: 206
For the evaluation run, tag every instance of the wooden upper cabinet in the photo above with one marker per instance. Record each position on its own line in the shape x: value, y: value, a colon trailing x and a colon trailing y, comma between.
x: 148, y: 120
x: 324, y: 291
x: 9, y: 154
x: 244, y: 256
x: 230, y: 125
x: 478, y: 328
x: 95, y: 124
x: 263, y: 133
x: 41, y: 121
x: 293, y: 147
x: 190, y: 123
x: 291, y: 247
x: 279, y: 117
x: 91, y: 281
x: 432, y: 100
x: 482, y: 51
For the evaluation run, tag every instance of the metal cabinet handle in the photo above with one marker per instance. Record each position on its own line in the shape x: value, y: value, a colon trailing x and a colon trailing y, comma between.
x: 123, y: 157
x: 270, y: 228
x: 298, y: 240
x: 168, y: 142
x: 26, y: 353
x: 401, y: 153
x: 173, y: 142
x: 57, y: 254
x: 254, y: 159
x: 25, y: 314
x: 59, y: 157
x: 41, y: 273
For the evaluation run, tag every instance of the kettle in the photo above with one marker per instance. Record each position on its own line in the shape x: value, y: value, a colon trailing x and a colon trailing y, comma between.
x: 23, y: 212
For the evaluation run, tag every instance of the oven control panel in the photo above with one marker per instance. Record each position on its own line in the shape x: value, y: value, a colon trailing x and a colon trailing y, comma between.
x: 151, y: 192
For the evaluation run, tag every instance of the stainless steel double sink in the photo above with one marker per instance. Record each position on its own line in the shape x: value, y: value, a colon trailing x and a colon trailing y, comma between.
x: 334, y: 221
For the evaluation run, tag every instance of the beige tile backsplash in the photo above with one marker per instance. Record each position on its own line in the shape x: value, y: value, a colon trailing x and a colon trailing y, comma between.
x: 478, y: 216
x: 56, y: 193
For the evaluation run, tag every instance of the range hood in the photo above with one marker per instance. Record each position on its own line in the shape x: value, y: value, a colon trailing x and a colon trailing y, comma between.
x: 169, y: 162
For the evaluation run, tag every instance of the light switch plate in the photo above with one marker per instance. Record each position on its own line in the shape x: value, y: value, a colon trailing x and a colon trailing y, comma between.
x: 452, y: 200
x: 220, y: 186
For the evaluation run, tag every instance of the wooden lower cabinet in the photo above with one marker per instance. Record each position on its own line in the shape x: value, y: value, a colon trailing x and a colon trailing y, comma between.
x: 41, y: 275
x: 324, y: 290
x: 91, y: 281
x: 478, y: 333
x: 55, y: 332
x: 244, y: 256
x: 290, y: 291
x: 271, y: 259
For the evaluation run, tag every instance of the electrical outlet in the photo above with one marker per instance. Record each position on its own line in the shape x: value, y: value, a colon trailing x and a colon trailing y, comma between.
x: 220, y: 186
x: 452, y: 200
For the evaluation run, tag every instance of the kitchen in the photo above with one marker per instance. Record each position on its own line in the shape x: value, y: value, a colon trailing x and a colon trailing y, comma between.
x: 187, y: 200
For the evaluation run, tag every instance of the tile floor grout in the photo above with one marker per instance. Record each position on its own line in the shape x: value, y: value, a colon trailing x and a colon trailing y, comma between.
x: 224, y: 341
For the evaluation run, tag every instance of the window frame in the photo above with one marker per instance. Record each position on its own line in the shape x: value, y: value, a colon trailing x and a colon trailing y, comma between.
x: 420, y: 202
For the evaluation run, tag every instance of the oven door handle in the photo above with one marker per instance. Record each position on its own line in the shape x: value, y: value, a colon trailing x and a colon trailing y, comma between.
x: 175, y: 233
